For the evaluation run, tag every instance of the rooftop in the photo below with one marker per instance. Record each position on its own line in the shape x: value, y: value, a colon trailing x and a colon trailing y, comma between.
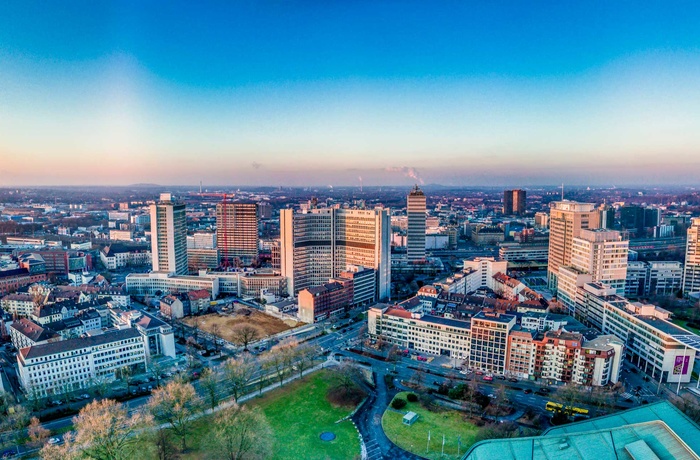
x: 63, y: 346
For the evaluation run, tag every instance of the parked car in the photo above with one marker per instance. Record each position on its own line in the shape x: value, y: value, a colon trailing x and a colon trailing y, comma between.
x: 8, y: 453
x: 463, y: 372
x: 513, y: 379
x: 527, y: 391
x: 422, y: 358
x: 54, y: 441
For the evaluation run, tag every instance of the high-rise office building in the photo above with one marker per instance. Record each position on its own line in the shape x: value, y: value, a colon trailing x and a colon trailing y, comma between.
x: 169, y: 236
x: 691, y: 272
x: 514, y: 202
x: 237, y: 233
x: 607, y: 216
x: 415, y: 236
x: 602, y: 254
x: 319, y: 244
x: 566, y: 220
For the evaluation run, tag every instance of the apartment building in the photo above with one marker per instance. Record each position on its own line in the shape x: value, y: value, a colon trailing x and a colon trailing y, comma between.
x: 117, y: 256
x: 489, y: 341
x: 19, y: 304
x: 325, y: 301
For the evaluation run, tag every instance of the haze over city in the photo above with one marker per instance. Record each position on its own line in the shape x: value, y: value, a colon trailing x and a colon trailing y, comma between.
x: 342, y: 94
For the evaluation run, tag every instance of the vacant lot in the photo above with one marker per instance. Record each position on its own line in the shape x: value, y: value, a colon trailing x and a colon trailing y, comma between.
x: 269, y: 324
x: 414, y: 438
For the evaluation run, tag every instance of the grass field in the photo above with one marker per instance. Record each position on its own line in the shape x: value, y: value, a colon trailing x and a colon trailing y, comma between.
x: 415, y: 438
x: 267, y: 323
x: 298, y: 413
x: 684, y: 324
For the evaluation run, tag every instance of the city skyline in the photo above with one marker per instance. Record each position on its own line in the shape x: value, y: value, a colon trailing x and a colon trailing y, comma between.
x: 372, y: 94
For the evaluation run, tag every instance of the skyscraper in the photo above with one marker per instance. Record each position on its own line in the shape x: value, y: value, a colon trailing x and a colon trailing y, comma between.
x: 602, y: 254
x: 566, y: 219
x: 237, y: 233
x: 415, y: 237
x: 514, y: 202
x: 169, y: 236
x: 691, y: 272
x: 319, y: 244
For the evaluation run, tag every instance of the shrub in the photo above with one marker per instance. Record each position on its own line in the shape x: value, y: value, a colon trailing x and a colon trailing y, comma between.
x: 398, y: 403
x: 411, y: 397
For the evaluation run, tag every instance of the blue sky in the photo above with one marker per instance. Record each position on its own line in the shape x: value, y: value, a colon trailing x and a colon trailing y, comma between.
x: 309, y: 93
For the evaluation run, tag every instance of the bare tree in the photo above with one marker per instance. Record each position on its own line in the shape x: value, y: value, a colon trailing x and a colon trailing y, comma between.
x: 37, y: 433
x: 306, y: 355
x: 156, y: 368
x: 105, y: 431
x: 175, y: 404
x: 243, y: 334
x: 276, y: 362
x: 216, y: 334
x: 239, y: 373
x: 240, y: 433
x: 165, y: 448
x: 210, y: 384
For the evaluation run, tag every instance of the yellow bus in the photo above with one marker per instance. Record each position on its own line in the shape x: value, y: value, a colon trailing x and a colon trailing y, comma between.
x: 552, y: 406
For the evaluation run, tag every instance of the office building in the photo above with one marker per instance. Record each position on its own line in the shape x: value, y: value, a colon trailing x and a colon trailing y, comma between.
x: 602, y: 254
x: 566, y: 220
x: 514, y: 202
x: 415, y: 236
x: 56, y: 368
x: 118, y: 255
x: 606, y: 216
x: 653, y: 278
x: 691, y: 272
x: 237, y: 233
x: 201, y: 240
x: 169, y: 236
x: 319, y: 244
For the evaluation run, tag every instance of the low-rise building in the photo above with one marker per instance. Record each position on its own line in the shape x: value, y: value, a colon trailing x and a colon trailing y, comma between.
x: 118, y: 255
x: 653, y: 278
x: 18, y: 304
x: 321, y: 302
x: 26, y: 333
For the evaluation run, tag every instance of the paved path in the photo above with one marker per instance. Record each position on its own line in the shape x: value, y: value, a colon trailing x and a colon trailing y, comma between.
x: 369, y: 422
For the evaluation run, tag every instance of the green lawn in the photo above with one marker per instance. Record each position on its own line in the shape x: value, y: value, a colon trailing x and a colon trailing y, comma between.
x: 300, y: 412
x: 415, y: 438
x: 683, y: 323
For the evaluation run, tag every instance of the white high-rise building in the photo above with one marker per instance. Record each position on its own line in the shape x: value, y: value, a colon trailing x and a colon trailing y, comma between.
x: 602, y: 254
x: 415, y: 237
x: 691, y: 272
x: 319, y: 244
x: 169, y: 236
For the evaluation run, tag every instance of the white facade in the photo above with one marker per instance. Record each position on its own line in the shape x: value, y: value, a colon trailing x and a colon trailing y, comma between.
x: 602, y: 254
x: 142, y: 284
x: 486, y: 268
x: 691, y: 273
x: 114, y: 260
x: 60, y: 367
x: 18, y: 304
x: 169, y: 236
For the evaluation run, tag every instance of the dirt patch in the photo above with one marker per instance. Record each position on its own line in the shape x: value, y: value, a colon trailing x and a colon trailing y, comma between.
x: 209, y: 323
x: 345, y: 397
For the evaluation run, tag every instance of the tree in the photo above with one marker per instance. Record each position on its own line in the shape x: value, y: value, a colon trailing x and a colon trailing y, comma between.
x: 216, y: 333
x: 165, y: 449
x: 239, y: 373
x: 262, y: 366
x: 175, y: 404
x: 306, y: 355
x: 240, y: 433
x: 210, y: 384
x: 104, y: 430
x: 37, y: 433
x: 156, y: 368
x: 243, y: 334
x: 276, y: 362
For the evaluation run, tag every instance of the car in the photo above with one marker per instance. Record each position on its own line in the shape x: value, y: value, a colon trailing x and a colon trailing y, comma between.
x: 54, y: 441
x: 541, y: 393
x: 513, y: 379
x: 492, y: 396
x: 500, y: 377
x: 422, y: 358
x: 463, y: 372
x: 84, y: 396
x: 8, y: 453
x: 195, y: 375
x: 479, y: 372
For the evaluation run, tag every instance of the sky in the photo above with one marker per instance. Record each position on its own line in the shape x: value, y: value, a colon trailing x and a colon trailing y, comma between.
x: 349, y: 92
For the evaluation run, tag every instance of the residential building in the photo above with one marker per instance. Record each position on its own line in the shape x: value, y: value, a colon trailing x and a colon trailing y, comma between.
x: 199, y: 301
x: 121, y: 235
x: 169, y: 236
x: 691, y: 273
x: 489, y: 341
x: 18, y: 304
x: 11, y: 280
x: 327, y: 300
x: 26, y: 333
x: 514, y: 202
x: 60, y: 367
x: 174, y: 306
x: 566, y: 220
x: 319, y: 244
x: 599, y: 361
x: 486, y: 267
x: 237, y: 233
x: 117, y: 256
x: 415, y: 236
x: 541, y: 220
